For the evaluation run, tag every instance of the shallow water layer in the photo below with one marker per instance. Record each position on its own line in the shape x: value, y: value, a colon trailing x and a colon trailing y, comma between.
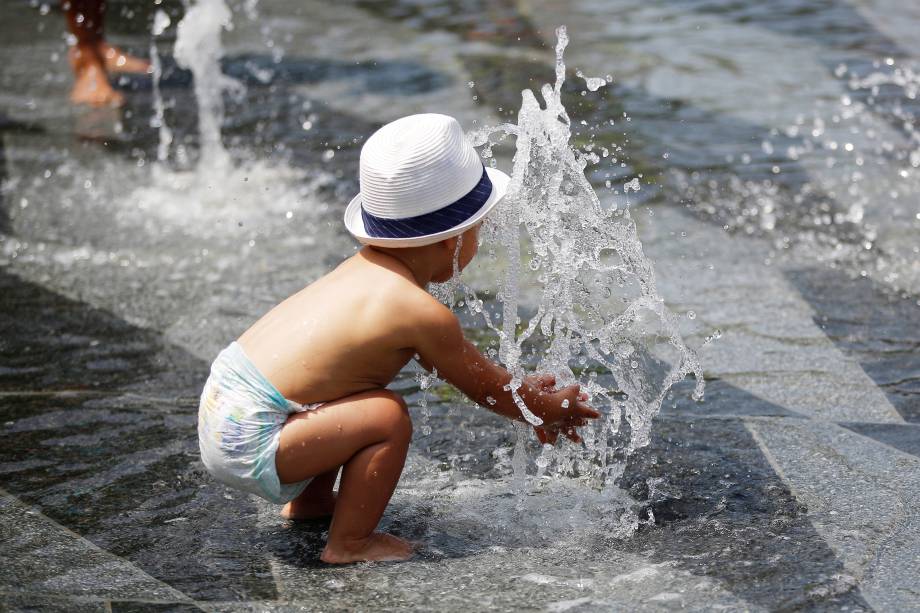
x: 794, y: 484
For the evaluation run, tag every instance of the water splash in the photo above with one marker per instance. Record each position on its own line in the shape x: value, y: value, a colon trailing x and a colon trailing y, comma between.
x: 585, y: 307
x: 593, y: 83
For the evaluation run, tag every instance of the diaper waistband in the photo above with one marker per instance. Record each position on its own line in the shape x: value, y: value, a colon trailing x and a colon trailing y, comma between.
x: 233, y: 369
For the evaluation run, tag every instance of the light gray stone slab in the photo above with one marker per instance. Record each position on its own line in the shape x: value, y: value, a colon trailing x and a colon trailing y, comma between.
x: 862, y: 497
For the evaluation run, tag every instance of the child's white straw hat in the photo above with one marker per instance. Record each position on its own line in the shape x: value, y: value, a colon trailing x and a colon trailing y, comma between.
x: 421, y: 182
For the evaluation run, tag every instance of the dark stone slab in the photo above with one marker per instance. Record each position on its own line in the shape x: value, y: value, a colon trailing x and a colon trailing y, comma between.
x: 51, y: 604
x: 117, y: 606
x: 903, y: 437
x: 721, y: 399
x: 722, y: 512
x: 872, y: 325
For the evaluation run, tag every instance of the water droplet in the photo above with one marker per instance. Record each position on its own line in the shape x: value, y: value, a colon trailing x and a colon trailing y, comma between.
x: 632, y: 185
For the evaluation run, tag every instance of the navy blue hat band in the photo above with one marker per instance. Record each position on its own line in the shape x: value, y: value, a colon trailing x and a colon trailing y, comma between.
x: 443, y: 219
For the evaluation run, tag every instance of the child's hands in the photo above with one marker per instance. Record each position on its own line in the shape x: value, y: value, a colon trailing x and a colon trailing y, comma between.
x: 562, y: 410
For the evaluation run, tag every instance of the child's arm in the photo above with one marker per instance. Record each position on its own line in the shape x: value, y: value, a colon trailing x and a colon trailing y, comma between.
x: 441, y: 344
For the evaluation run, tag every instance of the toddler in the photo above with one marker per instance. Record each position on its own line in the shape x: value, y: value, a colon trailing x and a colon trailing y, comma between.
x: 302, y: 394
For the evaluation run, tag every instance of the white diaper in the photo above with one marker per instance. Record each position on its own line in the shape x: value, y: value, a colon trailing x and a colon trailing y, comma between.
x: 239, y: 424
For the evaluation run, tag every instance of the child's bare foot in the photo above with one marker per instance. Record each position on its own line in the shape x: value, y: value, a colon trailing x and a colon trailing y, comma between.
x: 300, y: 510
x: 117, y: 60
x: 378, y: 547
x: 91, y: 85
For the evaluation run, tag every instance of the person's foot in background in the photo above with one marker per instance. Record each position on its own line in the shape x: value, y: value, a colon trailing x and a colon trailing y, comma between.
x: 118, y: 61
x: 92, y: 58
x: 91, y: 81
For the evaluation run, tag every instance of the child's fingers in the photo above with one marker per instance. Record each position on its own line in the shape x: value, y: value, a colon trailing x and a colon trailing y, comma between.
x: 572, y: 435
x: 541, y: 435
x: 574, y: 389
x: 576, y: 422
x: 547, y: 381
x: 547, y: 435
x: 583, y: 410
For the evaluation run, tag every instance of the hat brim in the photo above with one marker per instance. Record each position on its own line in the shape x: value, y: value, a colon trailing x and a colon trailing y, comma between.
x: 354, y: 221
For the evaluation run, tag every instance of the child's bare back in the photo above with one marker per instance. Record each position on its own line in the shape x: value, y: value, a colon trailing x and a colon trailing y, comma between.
x: 302, y: 394
x: 348, y: 332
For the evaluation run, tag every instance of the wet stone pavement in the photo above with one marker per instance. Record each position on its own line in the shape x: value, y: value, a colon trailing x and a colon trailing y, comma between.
x: 795, y: 485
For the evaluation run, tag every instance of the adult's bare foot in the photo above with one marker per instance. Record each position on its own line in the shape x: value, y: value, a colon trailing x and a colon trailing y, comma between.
x: 91, y: 83
x: 118, y: 61
x: 378, y: 547
x: 305, y: 510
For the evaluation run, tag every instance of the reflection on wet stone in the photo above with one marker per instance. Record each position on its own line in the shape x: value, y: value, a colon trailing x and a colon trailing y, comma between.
x: 722, y: 512
x: 497, y: 21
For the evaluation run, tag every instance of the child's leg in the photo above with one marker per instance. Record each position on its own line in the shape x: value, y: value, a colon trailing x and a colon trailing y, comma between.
x: 316, y: 500
x: 368, y: 434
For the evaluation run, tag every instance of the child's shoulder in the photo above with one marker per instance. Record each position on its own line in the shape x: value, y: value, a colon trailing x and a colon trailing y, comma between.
x: 414, y: 306
x: 394, y: 295
x: 414, y: 302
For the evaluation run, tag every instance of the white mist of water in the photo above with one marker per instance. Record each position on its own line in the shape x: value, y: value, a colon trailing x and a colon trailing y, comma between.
x: 198, y: 48
x: 597, y: 310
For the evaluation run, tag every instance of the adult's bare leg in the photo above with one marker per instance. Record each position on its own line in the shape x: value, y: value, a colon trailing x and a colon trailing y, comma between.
x: 368, y: 434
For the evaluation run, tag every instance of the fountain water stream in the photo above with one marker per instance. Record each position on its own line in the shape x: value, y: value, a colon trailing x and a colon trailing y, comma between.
x: 198, y: 48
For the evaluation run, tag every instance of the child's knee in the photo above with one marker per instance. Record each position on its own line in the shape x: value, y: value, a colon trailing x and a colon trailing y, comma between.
x: 395, y: 417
